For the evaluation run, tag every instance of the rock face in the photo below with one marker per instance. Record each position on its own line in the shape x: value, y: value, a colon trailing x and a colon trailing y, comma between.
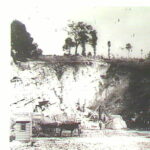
x: 56, y: 88
x: 62, y: 82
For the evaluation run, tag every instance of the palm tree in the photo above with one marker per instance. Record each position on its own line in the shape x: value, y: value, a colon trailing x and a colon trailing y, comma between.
x: 129, y: 48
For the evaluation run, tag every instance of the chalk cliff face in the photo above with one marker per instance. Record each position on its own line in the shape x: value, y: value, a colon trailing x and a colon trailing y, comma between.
x: 55, y: 87
x: 59, y: 83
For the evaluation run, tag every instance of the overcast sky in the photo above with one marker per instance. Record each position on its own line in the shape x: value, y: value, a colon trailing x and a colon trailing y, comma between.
x: 45, y: 21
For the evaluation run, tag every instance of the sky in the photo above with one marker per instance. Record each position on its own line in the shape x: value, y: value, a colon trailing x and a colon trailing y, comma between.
x: 45, y: 20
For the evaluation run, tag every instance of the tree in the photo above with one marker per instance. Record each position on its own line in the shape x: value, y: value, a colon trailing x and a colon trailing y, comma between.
x: 129, y: 48
x: 93, y: 40
x: 73, y: 31
x: 83, y: 41
x: 22, y: 46
x: 109, y: 45
x: 82, y: 34
x: 68, y: 45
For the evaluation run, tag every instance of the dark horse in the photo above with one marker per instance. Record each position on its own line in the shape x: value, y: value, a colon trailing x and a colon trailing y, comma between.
x: 69, y: 125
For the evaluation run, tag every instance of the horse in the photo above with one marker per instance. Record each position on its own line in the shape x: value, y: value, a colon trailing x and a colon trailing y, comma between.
x: 69, y: 125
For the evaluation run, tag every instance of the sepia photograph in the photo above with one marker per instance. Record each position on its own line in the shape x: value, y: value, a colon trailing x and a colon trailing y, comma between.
x: 79, y: 76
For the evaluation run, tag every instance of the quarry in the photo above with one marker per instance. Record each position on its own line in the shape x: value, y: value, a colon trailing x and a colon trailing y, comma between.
x: 74, y: 88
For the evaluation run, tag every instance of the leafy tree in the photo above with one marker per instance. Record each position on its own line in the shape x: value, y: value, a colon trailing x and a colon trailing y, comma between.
x: 68, y: 45
x: 93, y: 40
x: 129, y: 48
x: 22, y: 46
x: 82, y: 34
x: 109, y: 45
x: 73, y: 31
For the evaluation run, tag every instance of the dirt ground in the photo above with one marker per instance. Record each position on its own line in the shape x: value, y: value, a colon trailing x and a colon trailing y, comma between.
x: 90, y: 140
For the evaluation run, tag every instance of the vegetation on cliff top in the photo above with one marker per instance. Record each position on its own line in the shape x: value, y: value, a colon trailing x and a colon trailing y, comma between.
x: 22, y: 46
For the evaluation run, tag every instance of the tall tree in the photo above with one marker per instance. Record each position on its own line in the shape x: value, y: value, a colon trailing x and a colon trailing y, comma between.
x: 109, y: 45
x: 22, y: 46
x: 83, y: 35
x: 83, y: 41
x: 93, y: 40
x: 73, y: 31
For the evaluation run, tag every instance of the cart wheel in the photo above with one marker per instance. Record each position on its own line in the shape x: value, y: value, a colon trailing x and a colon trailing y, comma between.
x: 35, y: 132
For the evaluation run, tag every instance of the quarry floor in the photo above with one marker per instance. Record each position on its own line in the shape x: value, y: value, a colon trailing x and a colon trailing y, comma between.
x: 90, y: 140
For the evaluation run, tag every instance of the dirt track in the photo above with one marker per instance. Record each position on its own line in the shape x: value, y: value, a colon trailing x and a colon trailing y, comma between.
x: 92, y: 140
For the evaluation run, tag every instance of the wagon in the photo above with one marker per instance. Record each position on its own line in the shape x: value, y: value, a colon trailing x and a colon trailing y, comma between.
x: 56, y: 128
